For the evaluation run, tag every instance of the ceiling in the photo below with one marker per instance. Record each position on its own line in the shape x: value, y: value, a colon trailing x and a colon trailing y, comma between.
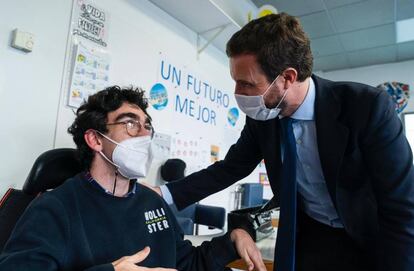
x: 344, y: 33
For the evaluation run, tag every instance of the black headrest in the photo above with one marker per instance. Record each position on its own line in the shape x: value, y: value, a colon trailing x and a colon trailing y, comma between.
x: 51, y: 169
x: 173, y: 169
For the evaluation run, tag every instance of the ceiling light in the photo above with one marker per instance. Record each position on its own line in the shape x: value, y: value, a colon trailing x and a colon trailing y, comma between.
x: 404, y: 30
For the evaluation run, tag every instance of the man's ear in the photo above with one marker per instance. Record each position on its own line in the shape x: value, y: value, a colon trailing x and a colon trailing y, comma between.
x: 290, y: 75
x: 93, y: 140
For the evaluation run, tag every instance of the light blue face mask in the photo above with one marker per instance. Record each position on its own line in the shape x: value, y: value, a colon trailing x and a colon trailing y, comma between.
x: 254, y: 106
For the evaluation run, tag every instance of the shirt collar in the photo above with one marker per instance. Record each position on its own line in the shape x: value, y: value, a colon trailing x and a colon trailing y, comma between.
x: 306, y: 111
x: 132, y: 186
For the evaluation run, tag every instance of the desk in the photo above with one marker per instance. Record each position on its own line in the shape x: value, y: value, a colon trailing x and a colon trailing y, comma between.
x: 266, y: 246
x: 239, y: 264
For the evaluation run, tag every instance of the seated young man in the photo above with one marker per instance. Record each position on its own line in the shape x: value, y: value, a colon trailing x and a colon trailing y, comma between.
x: 102, y: 219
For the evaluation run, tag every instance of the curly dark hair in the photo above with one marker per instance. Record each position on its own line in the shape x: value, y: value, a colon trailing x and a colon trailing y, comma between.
x: 278, y: 41
x: 93, y: 114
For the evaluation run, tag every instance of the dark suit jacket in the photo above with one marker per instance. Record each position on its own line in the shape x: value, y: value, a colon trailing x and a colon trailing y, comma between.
x: 366, y: 161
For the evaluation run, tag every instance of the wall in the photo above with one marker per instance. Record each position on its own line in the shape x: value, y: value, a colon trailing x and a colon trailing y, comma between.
x: 29, y: 84
x: 33, y: 104
x: 33, y: 86
x: 374, y: 75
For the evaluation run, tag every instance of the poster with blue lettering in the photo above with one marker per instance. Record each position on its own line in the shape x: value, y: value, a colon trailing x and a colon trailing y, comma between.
x: 194, y: 99
x: 195, y: 105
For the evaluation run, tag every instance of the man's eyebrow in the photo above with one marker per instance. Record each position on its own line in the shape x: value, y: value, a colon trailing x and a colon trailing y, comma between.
x: 127, y: 115
x: 244, y: 82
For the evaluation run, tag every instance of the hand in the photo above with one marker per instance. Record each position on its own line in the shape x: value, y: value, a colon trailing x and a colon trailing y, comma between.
x: 156, y: 189
x: 128, y: 263
x: 248, y: 250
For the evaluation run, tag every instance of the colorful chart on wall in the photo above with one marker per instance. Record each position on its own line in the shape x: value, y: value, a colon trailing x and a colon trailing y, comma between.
x: 193, y: 151
x: 214, y: 153
x: 161, y: 146
x: 399, y: 92
x: 90, y: 73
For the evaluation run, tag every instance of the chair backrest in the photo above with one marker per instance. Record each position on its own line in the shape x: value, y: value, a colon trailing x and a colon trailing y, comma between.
x: 12, y: 206
x: 252, y: 194
x: 49, y: 170
x: 211, y: 216
x: 173, y: 170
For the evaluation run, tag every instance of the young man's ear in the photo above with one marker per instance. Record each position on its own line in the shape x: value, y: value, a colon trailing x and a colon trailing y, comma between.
x: 93, y: 140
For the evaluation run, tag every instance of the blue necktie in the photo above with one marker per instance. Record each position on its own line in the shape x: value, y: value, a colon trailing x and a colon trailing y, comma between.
x: 286, y: 234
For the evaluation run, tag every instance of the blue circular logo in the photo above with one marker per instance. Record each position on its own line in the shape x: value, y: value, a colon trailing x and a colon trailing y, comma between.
x: 233, y: 116
x: 158, y: 96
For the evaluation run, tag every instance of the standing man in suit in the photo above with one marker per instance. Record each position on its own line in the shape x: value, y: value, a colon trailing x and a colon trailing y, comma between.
x: 352, y: 206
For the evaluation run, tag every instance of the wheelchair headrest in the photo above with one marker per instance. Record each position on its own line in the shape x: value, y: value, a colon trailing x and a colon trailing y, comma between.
x: 51, y: 169
x: 173, y: 170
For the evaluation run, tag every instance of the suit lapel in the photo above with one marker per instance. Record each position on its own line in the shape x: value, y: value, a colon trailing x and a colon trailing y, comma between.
x: 332, y: 136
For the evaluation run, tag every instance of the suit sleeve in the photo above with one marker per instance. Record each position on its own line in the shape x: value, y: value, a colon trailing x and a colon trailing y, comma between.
x: 240, y: 161
x: 211, y: 255
x: 39, y: 239
x: 390, y: 163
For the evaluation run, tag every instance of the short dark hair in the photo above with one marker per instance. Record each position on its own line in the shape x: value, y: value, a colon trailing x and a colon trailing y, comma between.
x: 278, y: 41
x: 93, y: 114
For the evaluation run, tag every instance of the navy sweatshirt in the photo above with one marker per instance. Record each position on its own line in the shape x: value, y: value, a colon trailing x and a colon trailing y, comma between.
x: 78, y: 226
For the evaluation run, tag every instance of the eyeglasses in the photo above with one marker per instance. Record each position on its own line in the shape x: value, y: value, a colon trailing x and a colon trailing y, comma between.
x: 134, y: 127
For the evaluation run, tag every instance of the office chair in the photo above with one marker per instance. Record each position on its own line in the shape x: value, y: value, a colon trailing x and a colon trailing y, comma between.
x: 173, y: 170
x: 199, y: 214
x: 49, y: 171
x: 252, y: 194
x: 211, y: 216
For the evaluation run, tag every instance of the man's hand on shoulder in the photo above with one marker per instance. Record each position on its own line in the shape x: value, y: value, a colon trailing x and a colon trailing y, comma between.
x: 247, y: 250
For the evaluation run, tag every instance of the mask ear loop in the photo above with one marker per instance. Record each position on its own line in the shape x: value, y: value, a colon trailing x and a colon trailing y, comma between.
x: 270, y: 86
x: 281, y: 100
x: 116, y: 175
x: 107, y: 159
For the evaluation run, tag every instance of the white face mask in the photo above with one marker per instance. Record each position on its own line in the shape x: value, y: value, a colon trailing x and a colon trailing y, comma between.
x: 132, y: 157
x: 254, y: 106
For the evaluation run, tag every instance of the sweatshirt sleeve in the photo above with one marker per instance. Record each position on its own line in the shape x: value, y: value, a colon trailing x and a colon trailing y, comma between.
x: 39, y: 238
x: 102, y: 267
x: 210, y: 255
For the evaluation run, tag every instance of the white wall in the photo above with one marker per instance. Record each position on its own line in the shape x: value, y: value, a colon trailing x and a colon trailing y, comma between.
x: 374, y: 75
x: 138, y: 33
x: 29, y: 83
x: 34, y: 115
